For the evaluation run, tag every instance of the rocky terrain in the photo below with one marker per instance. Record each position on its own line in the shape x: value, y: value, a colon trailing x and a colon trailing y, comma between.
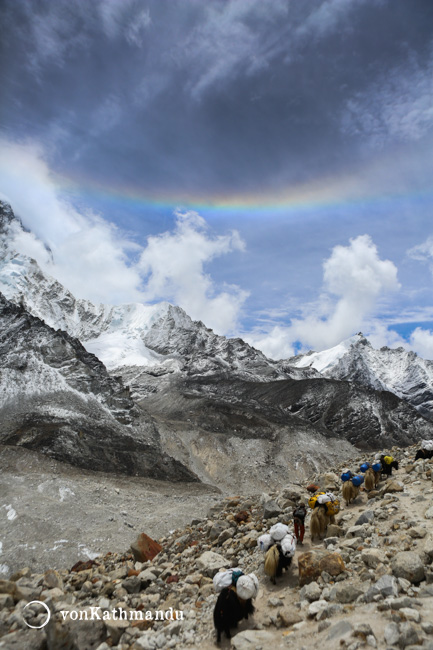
x: 368, y: 584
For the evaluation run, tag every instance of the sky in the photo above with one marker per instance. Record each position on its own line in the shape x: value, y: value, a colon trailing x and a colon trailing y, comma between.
x: 264, y: 164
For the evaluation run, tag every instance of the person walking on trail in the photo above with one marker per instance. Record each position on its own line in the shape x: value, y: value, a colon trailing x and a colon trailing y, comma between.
x: 299, y: 514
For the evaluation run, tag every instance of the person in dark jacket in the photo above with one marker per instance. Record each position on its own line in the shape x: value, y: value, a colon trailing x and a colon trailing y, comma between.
x: 299, y: 514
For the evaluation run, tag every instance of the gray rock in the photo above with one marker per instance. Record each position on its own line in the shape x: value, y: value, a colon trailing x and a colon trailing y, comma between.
x: 385, y: 586
x: 409, y: 635
x: 426, y: 591
x: 317, y: 607
x: 367, y: 517
x: 34, y: 639
x: 252, y: 639
x: 411, y: 614
x: 132, y: 584
x: 346, y: 593
x: 310, y: 592
x: 357, y: 531
x: 339, y: 630
x: 418, y: 532
x: 392, y: 634
x: 399, y: 603
x: 372, y: 557
x: 210, y: 563
x: 146, y: 577
x: 408, y: 565
x: 271, y: 509
x: 429, y: 513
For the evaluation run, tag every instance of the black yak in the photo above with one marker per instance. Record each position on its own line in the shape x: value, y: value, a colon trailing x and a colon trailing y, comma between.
x: 229, y: 610
x: 388, y: 467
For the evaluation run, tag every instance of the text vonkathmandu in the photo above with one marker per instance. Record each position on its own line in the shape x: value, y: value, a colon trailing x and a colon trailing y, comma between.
x: 120, y: 614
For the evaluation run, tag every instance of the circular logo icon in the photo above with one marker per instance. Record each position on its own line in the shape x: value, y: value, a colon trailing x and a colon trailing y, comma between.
x: 38, y: 602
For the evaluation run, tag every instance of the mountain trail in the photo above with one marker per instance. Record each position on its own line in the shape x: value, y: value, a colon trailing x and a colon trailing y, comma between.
x: 378, y: 594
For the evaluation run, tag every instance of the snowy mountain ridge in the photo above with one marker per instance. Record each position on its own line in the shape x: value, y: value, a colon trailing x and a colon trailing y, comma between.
x: 397, y: 370
x: 161, y: 338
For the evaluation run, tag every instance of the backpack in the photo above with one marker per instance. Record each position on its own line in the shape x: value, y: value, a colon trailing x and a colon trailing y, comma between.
x: 333, y: 507
x: 299, y: 512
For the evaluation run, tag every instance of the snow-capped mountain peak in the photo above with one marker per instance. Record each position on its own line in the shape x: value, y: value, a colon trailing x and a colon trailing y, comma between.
x: 397, y: 370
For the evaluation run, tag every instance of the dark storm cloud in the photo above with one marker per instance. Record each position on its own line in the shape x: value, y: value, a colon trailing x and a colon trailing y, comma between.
x: 215, y: 96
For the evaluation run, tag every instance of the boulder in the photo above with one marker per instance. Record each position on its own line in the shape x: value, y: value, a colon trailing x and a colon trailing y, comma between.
x: 312, y: 563
x: 145, y: 548
x: 408, y: 565
x: 210, y: 563
x: 329, y: 481
x: 317, y: 607
x: 372, y: 557
x: 366, y: 517
x: 409, y: 635
x: 345, y: 593
x: 52, y: 579
x: 271, y: 509
x: 310, y: 592
x: 385, y: 586
x: 391, y: 487
x: 289, y: 617
x: 391, y: 634
x: 339, y: 630
x: 357, y: 531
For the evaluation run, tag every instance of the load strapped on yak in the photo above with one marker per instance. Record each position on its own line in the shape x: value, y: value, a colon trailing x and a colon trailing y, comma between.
x: 388, y: 460
x: 377, y: 467
x: 357, y: 481
x: 427, y: 445
x: 346, y: 475
x: 280, y: 535
x: 247, y: 586
x: 326, y: 499
x: 364, y: 467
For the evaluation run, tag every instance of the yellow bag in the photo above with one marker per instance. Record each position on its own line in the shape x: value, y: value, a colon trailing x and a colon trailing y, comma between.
x: 388, y: 459
x: 312, y: 500
x: 333, y: 507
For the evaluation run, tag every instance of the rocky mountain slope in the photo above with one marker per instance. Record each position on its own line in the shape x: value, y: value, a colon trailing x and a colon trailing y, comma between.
x: 397, y: 370
x: 59, y: 399
x: 369, y: 583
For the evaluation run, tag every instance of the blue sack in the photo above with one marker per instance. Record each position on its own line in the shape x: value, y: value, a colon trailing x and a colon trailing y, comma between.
x: 364, y: 467
x: 377, y: 467
x: 357, y: 480
x: 346, y: 476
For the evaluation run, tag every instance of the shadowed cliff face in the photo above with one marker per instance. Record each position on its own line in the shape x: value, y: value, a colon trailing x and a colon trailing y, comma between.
x: 59, y: 399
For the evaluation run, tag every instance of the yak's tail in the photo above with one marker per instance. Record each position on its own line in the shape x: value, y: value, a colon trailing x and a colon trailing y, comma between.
x: 271, y: 561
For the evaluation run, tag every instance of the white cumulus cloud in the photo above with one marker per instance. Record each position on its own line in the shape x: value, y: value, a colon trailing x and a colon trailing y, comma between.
x: 92, y: 257
x: 174, y: 264
x: 354, y: 280
x: 421, y: 341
